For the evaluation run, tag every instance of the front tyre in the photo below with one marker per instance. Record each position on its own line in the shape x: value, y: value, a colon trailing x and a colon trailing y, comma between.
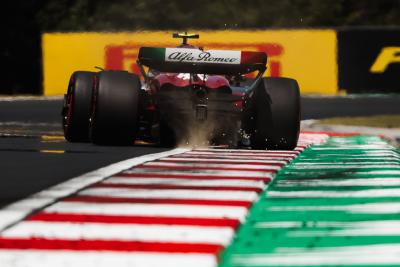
x: 115, y: 109
x: 276, y: 114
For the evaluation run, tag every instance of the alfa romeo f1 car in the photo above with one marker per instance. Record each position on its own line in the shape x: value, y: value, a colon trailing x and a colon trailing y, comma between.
x: 183, y: 91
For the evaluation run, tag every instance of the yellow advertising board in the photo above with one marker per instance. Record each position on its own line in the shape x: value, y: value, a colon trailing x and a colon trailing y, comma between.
x: 309, y: 56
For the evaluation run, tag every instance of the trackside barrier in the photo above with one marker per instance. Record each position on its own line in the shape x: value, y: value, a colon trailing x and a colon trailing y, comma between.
x: 306, y: 55
x: 355, y: 60
x: 369, y: 60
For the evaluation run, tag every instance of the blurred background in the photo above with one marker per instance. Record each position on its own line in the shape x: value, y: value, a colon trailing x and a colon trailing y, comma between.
x: 356, y: 24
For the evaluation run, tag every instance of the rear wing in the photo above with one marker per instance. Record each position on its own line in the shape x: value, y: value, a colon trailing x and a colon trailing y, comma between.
x: 194, y: 60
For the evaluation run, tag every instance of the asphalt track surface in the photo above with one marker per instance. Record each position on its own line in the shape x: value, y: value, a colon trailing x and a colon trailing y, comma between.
x: 33, y: 156
x: 32, y: 162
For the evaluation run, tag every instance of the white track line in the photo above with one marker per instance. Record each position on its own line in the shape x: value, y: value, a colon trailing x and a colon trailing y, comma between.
x: 329, y: 224
x: 270, y: 154
x: 216, y: 156
x: 384, y: 172
x: 354, y: 166
x: 363, y: 255
x: 201, y: 172
x: 370, y: 208
x: 189, y: 182
x: 129, y: 209
x: 19, y: 210
x: 170, y: 193
x: 371, y: 148
x: 244, y: 151
x: 30, y: 97
x: 197, y: 176
x: 211, y: 165
x: 123, y: 232
x: 393, y: 231
x: 215, y: 161
x: 358, y: 157
x: 59, y: 258
x: 370, y: 193
x: 387, y: 181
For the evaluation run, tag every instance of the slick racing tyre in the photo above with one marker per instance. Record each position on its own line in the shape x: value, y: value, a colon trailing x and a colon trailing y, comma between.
x: 275, y: 114
x: 167, y: 135
x: 115, y: 109
x: 76, y: 108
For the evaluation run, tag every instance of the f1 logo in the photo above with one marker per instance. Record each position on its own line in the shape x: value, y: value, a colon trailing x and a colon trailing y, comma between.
x: 387, y: 56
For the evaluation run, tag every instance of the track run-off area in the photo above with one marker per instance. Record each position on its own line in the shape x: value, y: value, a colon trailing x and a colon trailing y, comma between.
x: 334, y: 201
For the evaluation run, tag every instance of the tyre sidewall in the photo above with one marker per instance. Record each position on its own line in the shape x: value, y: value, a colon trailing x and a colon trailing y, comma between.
x: 80, y: 90
x: 115, y: 112
x: 277, y: 114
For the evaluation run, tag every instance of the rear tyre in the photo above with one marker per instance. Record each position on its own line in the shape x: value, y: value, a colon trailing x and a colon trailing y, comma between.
x: 167, y: 135
x: 115, y: 110
x: 76, y: 108
x: 276, y: 114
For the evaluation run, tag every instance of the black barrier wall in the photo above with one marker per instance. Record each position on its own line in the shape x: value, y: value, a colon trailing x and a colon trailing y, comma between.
x: 369, y: 60
x: 20, y: 48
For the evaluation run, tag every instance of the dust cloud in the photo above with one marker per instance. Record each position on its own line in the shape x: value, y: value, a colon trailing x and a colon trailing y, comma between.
x: 198, y: 134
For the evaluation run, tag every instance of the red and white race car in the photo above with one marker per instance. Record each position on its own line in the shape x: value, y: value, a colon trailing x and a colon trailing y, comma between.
x: 184, y: 91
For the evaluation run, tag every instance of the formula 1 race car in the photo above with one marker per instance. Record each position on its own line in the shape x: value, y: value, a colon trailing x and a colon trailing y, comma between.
x: 185, y: 92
